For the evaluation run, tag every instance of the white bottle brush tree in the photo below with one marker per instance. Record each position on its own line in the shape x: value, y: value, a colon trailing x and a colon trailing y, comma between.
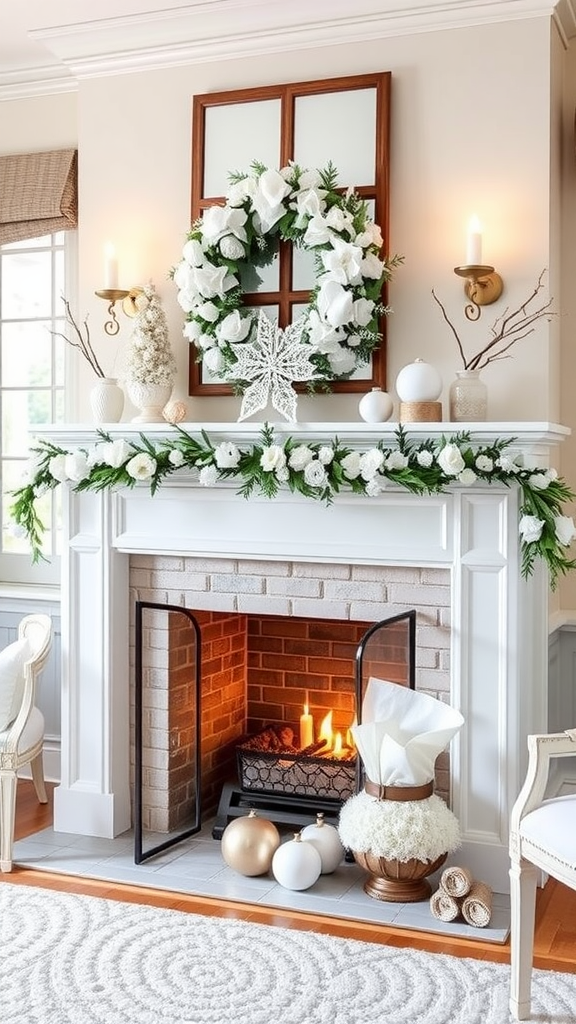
x: 150, y: 363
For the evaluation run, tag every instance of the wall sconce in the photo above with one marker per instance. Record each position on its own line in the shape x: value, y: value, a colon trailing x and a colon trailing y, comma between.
x: 113, y: 294
x: 482, y: 284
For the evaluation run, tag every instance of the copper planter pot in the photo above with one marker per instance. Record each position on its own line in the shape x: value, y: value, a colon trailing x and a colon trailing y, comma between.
x: 395, y: 881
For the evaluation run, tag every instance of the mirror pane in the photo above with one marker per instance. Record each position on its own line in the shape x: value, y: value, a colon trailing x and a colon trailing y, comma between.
x: 319, y: 135
x: 236, y: 135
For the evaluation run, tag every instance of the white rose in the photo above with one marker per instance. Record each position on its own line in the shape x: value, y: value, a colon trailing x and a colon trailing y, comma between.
x: 396, y: 460
x: 227, y: 455
x: 315, y: 474
x: 214, y: 361
x: 467, y: 477
x: 234, y: 328
x: 351, y: 465
x: 57, y: 467
x: 424, y: 458
x: 371, y: 235
x: 539, y: 481
x: 240, y: 191
x: 326, y: 455
x: 76, y: 466
x: 343, y: 261
x: 116, y: 452
x: 339, y: 220
x: 231, y: 248
x: 208, y: 476
x: 192, y: 330
x: 317, y: 232
x: 335, y: 303
x: 376, y: 485
x: 341, y: 361
x: 308, y: 204
x: 372, y: 267
x: 193, y: 253
x: 322, y: 336
x: 564, y: 529
x: 141, y: 467
x: 272, y: 458
x: 363, y: 311
x: 484, y: 463
x: 208, y: 311
x: 210, y: 281
x: 370, y: 463
x: 223, y: 220
x: 282, y: 474
x: 450, y: 460
x: 300, y: 457
x: 530, y: 528
x: 176, y: 457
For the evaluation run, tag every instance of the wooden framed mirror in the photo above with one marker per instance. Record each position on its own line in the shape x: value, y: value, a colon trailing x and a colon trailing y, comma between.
x: 344, y: 121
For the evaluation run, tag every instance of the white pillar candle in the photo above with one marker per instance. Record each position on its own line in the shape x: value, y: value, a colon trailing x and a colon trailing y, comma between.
x: 306, y: 727
x: 474, y: 243
x: 110, y: 267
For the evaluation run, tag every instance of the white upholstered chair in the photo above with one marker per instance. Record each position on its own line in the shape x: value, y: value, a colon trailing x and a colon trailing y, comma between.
x: 21, y: 722
x: 542, y: 839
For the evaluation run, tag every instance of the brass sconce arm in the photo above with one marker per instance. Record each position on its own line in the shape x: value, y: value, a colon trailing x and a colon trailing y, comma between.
x: 482, y: 285
x: 114, y: 295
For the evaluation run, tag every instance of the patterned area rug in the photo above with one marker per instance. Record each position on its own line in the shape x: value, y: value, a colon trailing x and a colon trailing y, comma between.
x: 69, y: 959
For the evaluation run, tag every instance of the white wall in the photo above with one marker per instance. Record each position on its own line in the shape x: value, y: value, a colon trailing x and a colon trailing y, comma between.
x: 482, y: 121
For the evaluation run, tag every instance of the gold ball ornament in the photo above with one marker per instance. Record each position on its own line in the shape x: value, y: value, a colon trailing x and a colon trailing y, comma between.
x: 249, y: 843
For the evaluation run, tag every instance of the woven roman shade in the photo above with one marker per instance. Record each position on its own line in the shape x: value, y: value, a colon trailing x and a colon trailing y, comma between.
x: 38, y: 194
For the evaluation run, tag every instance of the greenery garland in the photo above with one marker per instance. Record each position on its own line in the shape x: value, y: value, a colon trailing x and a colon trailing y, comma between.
x: 226, y: 245
x: 316, y: 470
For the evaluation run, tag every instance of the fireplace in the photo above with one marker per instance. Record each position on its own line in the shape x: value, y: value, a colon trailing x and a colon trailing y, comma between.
x: 452, y: 556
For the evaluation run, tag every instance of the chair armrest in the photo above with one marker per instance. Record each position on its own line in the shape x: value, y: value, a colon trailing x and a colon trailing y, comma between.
x: 541, y: 748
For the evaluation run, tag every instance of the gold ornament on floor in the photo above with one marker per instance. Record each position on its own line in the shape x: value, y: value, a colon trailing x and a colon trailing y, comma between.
x: 249, y: 843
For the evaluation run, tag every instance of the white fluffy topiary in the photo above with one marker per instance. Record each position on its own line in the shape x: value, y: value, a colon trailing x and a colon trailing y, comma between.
x: 399, y: 830
x: 149, y: 358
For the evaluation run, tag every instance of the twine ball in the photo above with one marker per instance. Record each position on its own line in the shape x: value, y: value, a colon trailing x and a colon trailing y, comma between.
x: 249, y: 843
x: 296, y: 864
x: 327, y: 841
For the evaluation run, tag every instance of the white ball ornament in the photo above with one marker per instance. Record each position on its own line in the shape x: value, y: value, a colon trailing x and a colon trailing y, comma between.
x: 419, y: 382
x: 376, y: 406
x: 249, y: 843
x: 327, y: 841
x: 296, y: 864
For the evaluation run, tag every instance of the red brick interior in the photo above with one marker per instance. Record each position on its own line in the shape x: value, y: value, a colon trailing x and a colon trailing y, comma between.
x: 259, y: 670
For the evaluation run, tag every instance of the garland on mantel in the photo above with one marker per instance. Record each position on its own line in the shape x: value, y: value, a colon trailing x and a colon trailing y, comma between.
x: 317, y: 470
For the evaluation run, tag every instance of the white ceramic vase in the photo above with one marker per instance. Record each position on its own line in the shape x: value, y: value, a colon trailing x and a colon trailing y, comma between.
x: 468, y: 397
x: 150, y: 399
x: 107, y: 400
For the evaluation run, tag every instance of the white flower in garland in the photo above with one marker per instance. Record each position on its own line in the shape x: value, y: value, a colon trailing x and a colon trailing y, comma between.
x: 315, y: 470
x: 305, y: 207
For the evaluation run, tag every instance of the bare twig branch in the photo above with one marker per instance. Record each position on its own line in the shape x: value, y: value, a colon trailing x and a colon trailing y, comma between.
x: 507, y: 329
x: 83, y: 343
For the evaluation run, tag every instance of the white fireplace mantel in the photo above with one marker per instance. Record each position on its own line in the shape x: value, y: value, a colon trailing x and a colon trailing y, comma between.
x: 499, y: 622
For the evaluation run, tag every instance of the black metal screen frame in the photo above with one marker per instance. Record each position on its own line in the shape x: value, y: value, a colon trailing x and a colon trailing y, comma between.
x: 410, y: 616
x: 141, y: 855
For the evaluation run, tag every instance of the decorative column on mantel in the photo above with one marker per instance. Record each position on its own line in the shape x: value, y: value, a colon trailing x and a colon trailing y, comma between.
x: 499, y: 621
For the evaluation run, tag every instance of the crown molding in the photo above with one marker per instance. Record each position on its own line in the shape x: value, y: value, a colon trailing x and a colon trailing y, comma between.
x: 211, y: 30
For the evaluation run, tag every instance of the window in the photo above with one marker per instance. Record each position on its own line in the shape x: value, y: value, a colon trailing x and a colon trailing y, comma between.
x: 33, y: 276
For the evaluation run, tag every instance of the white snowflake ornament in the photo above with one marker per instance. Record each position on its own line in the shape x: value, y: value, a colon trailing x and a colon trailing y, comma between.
x: 271, y: 362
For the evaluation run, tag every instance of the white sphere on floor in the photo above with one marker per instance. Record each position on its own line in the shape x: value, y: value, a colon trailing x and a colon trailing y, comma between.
x: 327, y: 841
x: 296, y: 864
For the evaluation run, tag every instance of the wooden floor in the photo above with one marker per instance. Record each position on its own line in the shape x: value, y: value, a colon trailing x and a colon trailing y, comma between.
x: 555, y: 938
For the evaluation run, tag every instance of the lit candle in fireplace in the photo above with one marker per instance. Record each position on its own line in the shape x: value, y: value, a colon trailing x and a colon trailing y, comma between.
x: 306, y: 727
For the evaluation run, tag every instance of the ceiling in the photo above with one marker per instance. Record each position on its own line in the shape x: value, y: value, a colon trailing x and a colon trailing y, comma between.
x: 47, y: 45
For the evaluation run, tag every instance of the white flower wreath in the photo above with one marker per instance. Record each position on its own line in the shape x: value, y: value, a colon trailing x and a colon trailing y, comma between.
x: 227, y: 242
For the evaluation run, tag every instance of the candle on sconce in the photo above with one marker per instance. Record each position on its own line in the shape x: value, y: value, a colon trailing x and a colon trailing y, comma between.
x: 306, y: 727
x: 110, y: 267
x: 474, y: 243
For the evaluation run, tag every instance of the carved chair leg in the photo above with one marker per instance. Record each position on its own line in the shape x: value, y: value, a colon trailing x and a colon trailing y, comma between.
x: 523, y: 879
x: 8, y: 780
x: 37, y: 766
